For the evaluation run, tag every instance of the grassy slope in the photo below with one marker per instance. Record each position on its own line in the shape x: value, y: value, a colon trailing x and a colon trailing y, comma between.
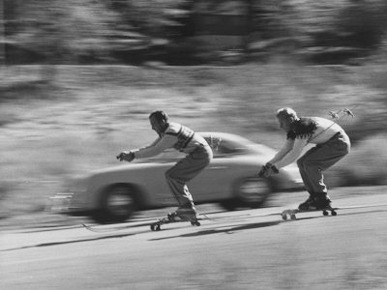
x: 83, y: 116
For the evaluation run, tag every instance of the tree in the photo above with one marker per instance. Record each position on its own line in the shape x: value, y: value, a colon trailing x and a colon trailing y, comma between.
x: 63, y: 31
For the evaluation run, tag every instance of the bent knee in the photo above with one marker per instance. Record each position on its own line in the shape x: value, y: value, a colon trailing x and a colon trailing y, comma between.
x: 171, y: 174
x: 168, y: 174
x: 305, y: 163
x: 301, y: 163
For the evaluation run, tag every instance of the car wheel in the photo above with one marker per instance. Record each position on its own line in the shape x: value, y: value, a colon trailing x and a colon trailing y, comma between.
x: 253, y: 192
x: 117, y: 204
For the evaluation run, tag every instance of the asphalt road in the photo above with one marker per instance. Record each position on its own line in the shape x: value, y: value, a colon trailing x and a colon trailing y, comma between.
x: 251, y: 249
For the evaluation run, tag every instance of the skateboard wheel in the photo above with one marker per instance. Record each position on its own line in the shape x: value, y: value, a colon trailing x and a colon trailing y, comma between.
x: 284, y: 217
x: 293, y: 217
x: 155, y: 227
x: 325, y: 213
x: 171, y: 217
x: 334, y: 213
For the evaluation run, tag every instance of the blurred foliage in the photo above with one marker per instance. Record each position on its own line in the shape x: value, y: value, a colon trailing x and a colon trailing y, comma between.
x: 320, y: 31
x: 88, y: 31
x: 364, y: 166
x: 134, y: 31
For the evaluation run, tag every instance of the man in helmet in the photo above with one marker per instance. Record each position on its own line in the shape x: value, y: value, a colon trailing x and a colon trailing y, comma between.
x: 183, y: 139
x: 332, y: 144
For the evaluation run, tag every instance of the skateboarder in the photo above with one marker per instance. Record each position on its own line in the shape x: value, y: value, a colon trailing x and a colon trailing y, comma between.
x: 183, y: 139
x: 332, y: 144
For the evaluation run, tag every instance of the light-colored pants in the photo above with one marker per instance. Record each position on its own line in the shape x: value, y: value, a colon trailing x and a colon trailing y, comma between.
x: 319, y: 158
x: 185, y: 170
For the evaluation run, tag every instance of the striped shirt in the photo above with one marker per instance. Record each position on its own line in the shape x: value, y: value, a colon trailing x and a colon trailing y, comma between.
x: 175, y: 136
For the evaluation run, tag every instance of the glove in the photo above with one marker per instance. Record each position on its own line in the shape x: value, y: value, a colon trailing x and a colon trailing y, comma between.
x: 268, y: 170
x: 125, y: 155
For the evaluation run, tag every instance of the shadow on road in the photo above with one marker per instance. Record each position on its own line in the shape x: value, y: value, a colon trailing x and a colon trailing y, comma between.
x: 224, y: 229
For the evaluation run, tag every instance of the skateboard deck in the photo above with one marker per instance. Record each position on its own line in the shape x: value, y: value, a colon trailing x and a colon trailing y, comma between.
x: 173, y: 218
x: 291, y: 213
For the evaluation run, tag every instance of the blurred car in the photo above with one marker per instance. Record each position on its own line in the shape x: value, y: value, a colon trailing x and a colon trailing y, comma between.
x: 114, y: 194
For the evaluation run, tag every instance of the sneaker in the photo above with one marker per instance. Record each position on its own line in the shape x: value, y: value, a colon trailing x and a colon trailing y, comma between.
x: 307, y: 204
x: 188, y: 212
x: 322, y: 202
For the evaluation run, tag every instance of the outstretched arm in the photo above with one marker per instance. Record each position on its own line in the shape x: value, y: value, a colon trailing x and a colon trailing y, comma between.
x: 293, y: 154
x: 165, y: 142
x: 158, y: 146
x: 285, y: 150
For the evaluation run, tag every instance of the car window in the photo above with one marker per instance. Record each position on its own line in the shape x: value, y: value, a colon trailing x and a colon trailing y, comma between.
x: 225, y: 149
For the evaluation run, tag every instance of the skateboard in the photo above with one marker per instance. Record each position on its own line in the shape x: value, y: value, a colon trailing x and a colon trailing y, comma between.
x: 173, y: 218
x: 292, y: 212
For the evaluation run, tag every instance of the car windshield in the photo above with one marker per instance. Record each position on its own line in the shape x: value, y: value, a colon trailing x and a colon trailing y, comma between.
x: 236, y: 145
